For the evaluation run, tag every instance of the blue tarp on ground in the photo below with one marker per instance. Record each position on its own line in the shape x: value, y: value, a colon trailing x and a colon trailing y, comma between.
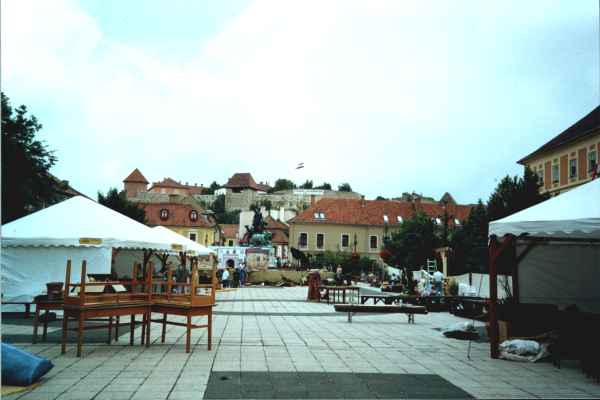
x: 20, y: 368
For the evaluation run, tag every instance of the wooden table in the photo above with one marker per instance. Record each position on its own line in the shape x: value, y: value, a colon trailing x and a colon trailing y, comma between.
x: 185, y: 310
x: 27, y: 305
x: 46, y: 304
x: 110, y: 310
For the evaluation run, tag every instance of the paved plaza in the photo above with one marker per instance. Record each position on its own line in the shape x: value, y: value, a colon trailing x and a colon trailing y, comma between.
x: 270, y: 343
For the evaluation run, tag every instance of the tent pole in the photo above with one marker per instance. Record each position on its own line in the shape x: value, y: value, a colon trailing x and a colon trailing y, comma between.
x: 493, y: 316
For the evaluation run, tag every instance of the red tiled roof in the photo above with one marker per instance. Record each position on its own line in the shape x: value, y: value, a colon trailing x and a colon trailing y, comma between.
x: 229, y: 230
x: 136, y: 176
x: 371, y: 212
x: 275, y: 224
x: 582, y: 128
x: 279, y: 237
x: 244, y: 180
x: 168, y: 183
x: 179, y: 215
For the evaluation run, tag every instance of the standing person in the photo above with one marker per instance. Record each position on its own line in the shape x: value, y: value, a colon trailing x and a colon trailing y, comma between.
x: 338, y: 273
x: 438, y: 279
x: 181, y: 275
x: 225, y: 278
x: 242, y: 274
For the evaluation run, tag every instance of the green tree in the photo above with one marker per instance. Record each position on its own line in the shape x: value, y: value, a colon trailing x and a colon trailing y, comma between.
x: 118, y: 201
x: 221, y: 215
x: 514, y: 194
x: 414, y: 242
x: 283, y: 184
x: 380, y: 198
x: 324, y: 186
x: 213, y: 186
x: 345, y: 187
x: 469, y: 243
x: 307, y: 185
x: 26, y: 182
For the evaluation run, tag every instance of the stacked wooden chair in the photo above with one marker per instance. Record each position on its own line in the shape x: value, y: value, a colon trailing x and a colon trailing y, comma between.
x: 89, y: 300
x: 188, y: 299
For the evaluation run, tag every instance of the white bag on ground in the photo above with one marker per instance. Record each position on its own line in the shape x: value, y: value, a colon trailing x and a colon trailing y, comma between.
x: 461, y: 330
x: 523, y: 350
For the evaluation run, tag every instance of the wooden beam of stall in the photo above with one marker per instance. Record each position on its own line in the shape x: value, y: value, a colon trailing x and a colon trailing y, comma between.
x: 495, y: 249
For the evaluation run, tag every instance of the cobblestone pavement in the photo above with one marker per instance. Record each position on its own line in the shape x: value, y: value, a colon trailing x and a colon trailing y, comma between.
x: 273, y: 330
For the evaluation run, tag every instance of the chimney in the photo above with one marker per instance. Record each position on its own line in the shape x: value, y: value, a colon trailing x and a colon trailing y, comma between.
x: 363, y: 203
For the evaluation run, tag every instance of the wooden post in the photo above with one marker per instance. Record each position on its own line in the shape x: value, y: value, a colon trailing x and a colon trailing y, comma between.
x: 169, y: 283
x: 493, y: 317
x: 194, y: 282
x: 82, y: 282
x: 67, y: 279
x: 134, y: 278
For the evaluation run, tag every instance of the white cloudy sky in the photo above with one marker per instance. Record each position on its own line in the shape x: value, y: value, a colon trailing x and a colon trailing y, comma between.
x: 391, y: 96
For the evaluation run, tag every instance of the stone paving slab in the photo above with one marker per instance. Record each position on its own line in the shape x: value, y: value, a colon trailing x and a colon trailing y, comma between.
x: 273, y: 331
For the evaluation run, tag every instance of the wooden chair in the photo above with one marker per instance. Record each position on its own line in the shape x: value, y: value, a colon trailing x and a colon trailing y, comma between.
x: 189, y: 303
x: 91, y: 300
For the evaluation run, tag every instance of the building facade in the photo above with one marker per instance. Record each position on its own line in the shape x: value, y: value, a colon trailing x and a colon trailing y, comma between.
x: 184, y: 219
x: 360, y: 226
x: 569, y: 159
x: 229, y: 235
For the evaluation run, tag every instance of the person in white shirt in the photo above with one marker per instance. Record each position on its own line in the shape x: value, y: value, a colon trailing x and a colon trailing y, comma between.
x: 438, y: 279
x: 225, y: 278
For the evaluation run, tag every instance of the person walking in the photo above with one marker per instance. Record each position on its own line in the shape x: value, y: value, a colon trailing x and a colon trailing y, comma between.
x: 225, y: 278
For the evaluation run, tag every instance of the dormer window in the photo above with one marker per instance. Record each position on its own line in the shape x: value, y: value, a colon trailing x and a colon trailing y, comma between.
x: 164, y: 214
x: 319, y: 215
x: 399, y: 219
x: 456, y: 221
x: 385, y: 219
x: 194, y: 215
x: 316, y: 215
x: 438, y: 221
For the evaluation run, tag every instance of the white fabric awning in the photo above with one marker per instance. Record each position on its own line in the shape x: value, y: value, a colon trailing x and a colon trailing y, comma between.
x: 574, y: 214
x: 190, y: 245
x: 81, y: 222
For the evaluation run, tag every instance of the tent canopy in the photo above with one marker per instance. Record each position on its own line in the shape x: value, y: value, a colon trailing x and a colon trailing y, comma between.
x: 81, y: 222
x: 190, y: 245
x: 574, y: 214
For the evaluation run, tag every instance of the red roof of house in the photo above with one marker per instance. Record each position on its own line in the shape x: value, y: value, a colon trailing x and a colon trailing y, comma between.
x: 244, y: 180
x: 178, y: 215
x: 279, y: 237
x: 168, y: 183
x: 229, y: 230
x: 273, y: 224
x: 371, y: 212
x: 136, y: 176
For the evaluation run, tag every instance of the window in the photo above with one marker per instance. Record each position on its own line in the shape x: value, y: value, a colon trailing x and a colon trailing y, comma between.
x: 399, y: 219
x: 572, y: 168
x: 319, y: 215
x: 456, y: 221
x: 540, y: 175
x: 194, y: 215
x: 320, y: 241
x: 591, y: 161
x: 192, y: 236
x: 438, y: 221
x: 230, y: 243
x: 303, y: 240
x: 164, y: 214
x: 345, y: 240
x: 385, y: 219
x: 555, y: 173
x: 373, y: 242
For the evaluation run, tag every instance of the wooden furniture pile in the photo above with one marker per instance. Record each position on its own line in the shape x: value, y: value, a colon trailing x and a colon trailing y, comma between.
x: 86, y: 301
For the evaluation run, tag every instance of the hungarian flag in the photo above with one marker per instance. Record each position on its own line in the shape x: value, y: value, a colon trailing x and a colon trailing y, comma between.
x: 300, y: 165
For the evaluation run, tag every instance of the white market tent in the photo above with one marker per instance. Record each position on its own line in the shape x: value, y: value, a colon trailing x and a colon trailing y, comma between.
x: 35, y: 248
x: 190, y: 245
x: 559, y: 254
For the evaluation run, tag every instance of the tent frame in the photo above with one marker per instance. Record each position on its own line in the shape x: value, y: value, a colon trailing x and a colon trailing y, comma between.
x: 496, y: 248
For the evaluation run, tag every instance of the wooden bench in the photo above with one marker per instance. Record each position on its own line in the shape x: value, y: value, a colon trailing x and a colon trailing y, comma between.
x: 396, y: 309
x: 384, y: 298
x: 27, y: 305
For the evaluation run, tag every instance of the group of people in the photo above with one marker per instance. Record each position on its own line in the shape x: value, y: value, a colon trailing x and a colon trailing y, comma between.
x: 236, y: 279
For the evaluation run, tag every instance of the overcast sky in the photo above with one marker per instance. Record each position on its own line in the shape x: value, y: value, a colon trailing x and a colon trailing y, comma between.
x: 391, y: 96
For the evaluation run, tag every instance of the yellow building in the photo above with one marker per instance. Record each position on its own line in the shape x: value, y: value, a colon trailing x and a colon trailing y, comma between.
x: 360, y: 226
x: 570, y: 159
